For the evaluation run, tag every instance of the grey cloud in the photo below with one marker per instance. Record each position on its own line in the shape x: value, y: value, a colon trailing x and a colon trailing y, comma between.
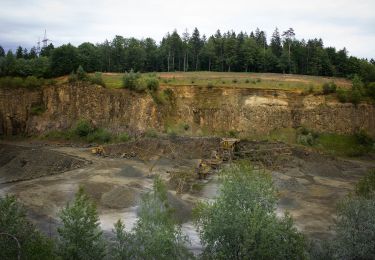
x: 339, y: 23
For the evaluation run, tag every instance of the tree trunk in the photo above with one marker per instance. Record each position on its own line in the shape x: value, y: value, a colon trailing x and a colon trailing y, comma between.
x: 173, y: 67
x: 289, y: 58
x: 169, y: 54
x: 196, y: 63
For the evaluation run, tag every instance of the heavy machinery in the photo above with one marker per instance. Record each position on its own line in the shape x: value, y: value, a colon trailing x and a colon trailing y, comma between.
x: 99, y: 150
x: 227, y: 147
x: 225, y: 153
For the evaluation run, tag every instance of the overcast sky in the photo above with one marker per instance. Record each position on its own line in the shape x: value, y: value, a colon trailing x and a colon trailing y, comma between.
x: 342, y: 23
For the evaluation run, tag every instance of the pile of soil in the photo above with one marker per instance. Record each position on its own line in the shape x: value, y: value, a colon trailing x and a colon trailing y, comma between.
x: 171, y: 148
x: 23, y: 163
x: 130, y: 172
x: 120, y: 197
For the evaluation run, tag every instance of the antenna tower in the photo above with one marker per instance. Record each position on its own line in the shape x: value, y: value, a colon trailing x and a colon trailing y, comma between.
x: 45, y: 40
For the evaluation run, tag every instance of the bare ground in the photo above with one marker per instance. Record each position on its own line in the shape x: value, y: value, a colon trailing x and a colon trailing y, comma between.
x: 310, y: 184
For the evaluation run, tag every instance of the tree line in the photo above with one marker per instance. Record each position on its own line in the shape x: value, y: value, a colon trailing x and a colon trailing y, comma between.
x: 228, y: 51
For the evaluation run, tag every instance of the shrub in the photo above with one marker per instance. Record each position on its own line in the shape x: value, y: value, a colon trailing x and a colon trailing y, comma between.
x: 152, y: 84
x: 247, y: 81
x: 13, y: 221
x: 155, y: 234
x: 123, y: 137
x: 33, y: 82
x: 131, y: 80
x: 234, y: 81
x: 81, y: 73
x: 210, y: 85
x: 97, y: 79
x: 30, y: 82
x: 366, y: 186
x: 259, y: 80
x: 342, y: 95
x: 363, y: 138
x: 355, y: 229
x: 168, y: 93
x: 72, y: 77
x: 329, y: 88
x: 370, y: 90
x: 355, y: 96
x: 100, y: 136
x: 306, y: 139
x: 37, y: 110
x: 83, y: 128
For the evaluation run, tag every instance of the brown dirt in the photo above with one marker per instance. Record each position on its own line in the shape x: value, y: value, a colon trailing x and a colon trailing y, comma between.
x: 120, y: 197
x: 22, y: 163
x: 163, y: 147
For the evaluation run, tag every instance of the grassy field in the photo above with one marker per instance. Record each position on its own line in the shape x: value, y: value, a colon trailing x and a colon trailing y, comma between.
x: 236, y: 79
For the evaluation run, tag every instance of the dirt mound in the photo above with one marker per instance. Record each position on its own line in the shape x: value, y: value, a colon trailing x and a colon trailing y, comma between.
x: 120, y: 197
x: 130, y: 171
x: 23, y: 163
x: 171, y: 148
x: 182, y: 210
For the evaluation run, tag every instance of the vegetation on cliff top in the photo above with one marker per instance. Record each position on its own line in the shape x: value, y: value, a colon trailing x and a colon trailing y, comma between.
x: 228, y: 51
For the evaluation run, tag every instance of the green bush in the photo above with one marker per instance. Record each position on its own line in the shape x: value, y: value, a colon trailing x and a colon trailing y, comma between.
x: 13, y: 221
x: 307, y: 140
x: 72, y: 77
x: 99, y: 136
x: 210, y: 85
x: 366, y: 185
x: 123, y: 137
x: 363, y: 138
x: 306, y: 137
x: 131, y: 80
x: 81, y: 73
x: 355, y: 96
x: 234, y: 81
x: 355, y: 229
x: 168, y: 93
x: 152, y: 84
x: 342, y: 95
x: 247, y: 81
x: 97, y: 79
x: 37, y: 110
x: 329, y: 88
x: 30, y: 82
x: 83, y: 128
x: 370, y: 90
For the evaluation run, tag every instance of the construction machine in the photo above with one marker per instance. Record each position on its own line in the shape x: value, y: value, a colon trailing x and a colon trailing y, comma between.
x: 99, y: 150
x: 225, y: 153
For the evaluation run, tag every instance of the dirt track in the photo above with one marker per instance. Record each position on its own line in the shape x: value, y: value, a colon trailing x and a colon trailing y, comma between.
x: 309, y: 184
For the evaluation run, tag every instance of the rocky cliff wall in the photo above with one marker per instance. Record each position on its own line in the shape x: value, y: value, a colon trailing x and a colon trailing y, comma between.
x: 208, y: 110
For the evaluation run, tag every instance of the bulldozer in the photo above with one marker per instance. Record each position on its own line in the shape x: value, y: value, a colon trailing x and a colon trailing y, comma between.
x: 99, y: 150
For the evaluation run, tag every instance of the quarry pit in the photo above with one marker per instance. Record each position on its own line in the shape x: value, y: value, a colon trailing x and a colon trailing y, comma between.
x: 45, y: 176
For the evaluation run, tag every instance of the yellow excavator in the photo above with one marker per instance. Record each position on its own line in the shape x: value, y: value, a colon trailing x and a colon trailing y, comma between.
x: 99, y: 150
x: 225, y: 153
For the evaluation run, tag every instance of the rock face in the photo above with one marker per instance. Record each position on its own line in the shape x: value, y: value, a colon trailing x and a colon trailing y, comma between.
x: 204, y: 109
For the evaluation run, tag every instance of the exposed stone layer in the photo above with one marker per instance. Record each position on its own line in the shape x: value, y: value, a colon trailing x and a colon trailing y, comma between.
x: 248, y: 111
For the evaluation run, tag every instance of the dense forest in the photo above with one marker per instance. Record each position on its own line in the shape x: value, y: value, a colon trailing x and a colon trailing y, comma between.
x: 227, y: 51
